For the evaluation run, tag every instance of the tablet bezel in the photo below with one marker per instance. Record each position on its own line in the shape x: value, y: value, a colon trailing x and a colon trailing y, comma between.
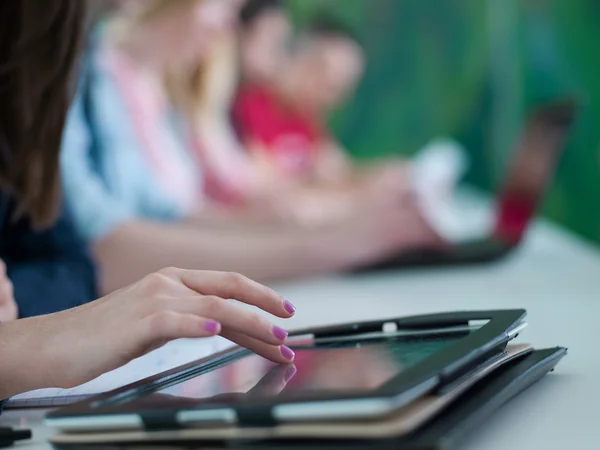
x: 431, y: 373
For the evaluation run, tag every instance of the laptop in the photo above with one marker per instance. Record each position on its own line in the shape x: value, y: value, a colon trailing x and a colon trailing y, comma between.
x: 530, y: 172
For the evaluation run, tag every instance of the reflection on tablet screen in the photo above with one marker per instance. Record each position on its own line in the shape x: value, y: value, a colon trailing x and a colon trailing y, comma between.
x: 356, y: 368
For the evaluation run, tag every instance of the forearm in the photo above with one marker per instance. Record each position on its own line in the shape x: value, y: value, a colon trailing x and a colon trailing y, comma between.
x: 24, y: 362
x: 139, y: 248
x: 253, y: 216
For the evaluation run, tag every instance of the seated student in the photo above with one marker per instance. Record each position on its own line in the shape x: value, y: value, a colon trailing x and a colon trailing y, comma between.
x: 71, y: 347
x: 203, y: 96
x: 281, y: 118
x: 255, y: 52
x: 135, y: 195
x: 233, y: 176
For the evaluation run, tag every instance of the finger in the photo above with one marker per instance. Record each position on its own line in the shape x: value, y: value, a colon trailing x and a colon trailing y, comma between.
x: 277, y: 354
x: 2, y: 268
x: 233, y: 317
x: 274, y: 382
x: 238, y: 287
x: 167, y: 326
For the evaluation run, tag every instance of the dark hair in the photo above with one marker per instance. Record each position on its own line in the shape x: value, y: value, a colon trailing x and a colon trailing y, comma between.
x: 253, y: 9
x: 325, y: 25
x: 39, y: 44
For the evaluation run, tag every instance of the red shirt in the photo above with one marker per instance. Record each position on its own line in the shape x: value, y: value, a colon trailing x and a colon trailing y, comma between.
x: 288, y: 138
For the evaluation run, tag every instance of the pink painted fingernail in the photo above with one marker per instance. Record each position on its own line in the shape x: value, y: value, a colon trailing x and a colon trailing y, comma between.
x: 289, y: 307
x: 280, y: 333
x: 290, y: 373
x: 287, y: 353
x: 212, y: 326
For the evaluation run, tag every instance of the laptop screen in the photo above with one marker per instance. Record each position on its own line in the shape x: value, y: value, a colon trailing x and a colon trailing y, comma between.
x: 532, y: 169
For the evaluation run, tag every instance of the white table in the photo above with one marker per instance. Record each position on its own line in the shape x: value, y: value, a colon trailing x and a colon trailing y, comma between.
x: 555, y: 276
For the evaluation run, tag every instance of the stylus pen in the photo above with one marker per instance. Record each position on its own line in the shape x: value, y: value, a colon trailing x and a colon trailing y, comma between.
x: 403, y: 324
x: 9, y: 436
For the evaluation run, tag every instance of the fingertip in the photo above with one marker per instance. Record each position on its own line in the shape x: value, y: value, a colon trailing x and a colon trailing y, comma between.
x: 212, y: 327
x: 287, y: 353
x: 280, y: 334
x: 289, y: 307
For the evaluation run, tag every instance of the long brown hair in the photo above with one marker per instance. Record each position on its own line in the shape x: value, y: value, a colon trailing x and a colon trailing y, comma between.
x: 39, y: 44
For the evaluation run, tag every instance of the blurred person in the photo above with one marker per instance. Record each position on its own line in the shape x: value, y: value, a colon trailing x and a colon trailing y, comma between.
x: 284, y: 123
x: 203, y: 96
x: 135, y: 190
x: 236, y: 177
x: 39, y: 247
x: 253, y: 53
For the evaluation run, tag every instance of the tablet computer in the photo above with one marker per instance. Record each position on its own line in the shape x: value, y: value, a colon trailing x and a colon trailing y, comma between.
x: 354, y: 371
x: 402, y: 422
x: 445, y: 432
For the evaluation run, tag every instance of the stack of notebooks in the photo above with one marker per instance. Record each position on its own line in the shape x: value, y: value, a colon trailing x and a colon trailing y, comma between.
x: 419, y: 382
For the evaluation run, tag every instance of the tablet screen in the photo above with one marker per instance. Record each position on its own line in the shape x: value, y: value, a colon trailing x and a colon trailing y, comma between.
x: 332, y: 368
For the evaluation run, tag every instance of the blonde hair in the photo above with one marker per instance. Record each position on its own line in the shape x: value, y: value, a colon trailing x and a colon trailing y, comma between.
x: 145, y: 11
x: 211, y: 81
x: 210, y: 86
x: 151, y: 9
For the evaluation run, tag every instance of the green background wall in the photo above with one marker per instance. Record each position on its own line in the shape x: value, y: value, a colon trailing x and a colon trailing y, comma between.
x: 471, y: 69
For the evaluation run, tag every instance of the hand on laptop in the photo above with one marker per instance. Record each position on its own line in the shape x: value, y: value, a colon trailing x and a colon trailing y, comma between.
x: 382, y: 230
x: 75, y: 346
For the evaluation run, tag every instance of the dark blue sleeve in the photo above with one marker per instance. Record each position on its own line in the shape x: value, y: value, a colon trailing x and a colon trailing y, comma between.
x: 50, y: 269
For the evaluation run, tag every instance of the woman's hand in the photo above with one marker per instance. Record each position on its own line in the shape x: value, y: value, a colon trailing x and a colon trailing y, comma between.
x: 72, y: 347
x: 8, y: 306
